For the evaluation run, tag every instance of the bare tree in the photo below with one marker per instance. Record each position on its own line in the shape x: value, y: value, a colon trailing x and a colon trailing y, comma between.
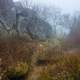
x: 26, y: 3
x: 74, y: 36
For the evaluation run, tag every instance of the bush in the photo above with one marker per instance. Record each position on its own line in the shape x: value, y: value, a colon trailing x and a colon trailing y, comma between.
x: 18, y: 70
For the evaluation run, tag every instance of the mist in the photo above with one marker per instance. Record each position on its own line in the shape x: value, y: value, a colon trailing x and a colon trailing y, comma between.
x: 67, y: 6
x: 39, y: 40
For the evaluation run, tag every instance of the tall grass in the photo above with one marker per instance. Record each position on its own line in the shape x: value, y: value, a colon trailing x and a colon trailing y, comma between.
x: 19, y: 57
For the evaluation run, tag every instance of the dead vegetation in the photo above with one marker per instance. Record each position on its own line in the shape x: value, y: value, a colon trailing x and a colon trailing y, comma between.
x: 36, y: 60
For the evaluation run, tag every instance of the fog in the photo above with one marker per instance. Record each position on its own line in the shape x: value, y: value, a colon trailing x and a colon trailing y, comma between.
x: 40, y: 40
x: 67, y: 6
x: 46, y: 18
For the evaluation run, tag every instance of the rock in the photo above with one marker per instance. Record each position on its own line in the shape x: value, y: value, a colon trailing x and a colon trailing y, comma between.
x: 25, y: 21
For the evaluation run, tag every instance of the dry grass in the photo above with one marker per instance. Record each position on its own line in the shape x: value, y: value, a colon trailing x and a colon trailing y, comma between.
x: 18, y: 56
x: 65, y: 68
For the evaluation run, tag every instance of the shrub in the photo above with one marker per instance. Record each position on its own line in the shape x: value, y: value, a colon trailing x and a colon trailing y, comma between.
x: 17, y: 70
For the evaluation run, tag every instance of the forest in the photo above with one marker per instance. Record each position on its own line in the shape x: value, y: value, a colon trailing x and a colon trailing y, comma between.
x: 38, y: 42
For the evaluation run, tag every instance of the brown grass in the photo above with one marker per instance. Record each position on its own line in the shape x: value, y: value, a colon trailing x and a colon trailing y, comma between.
x: 59, y: 65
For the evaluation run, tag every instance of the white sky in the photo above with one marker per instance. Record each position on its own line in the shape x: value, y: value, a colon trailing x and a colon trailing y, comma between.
x: 67, y: 6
